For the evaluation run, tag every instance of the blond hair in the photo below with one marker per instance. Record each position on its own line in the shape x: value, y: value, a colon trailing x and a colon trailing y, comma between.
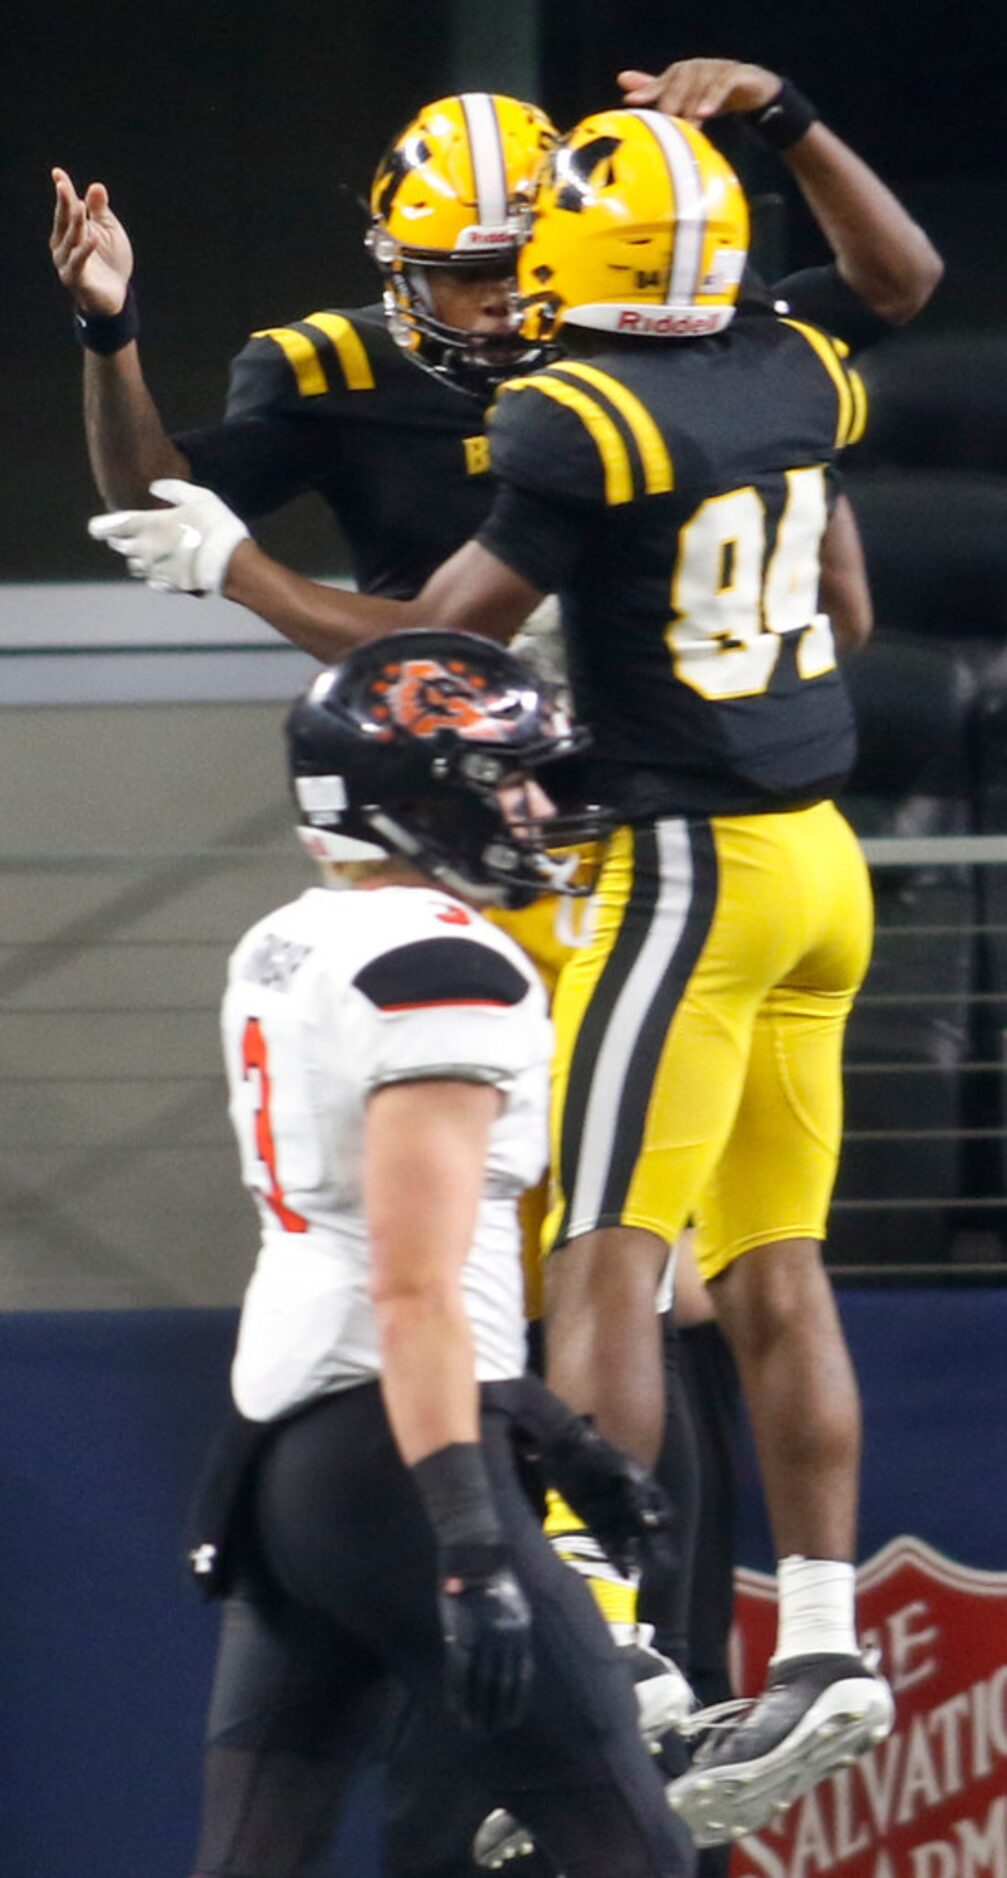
x: 346, y: 874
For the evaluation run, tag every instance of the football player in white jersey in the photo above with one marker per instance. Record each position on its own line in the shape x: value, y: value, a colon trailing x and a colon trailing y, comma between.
x: 387, y: 1055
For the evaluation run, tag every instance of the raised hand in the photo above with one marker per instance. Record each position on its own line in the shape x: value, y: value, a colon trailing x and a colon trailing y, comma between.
x: 701, y: 88
x: 90, y: 249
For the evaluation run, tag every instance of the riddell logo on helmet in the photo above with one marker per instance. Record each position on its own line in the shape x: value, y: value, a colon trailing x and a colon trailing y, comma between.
x: 696, y: 320
x: 486, y: 238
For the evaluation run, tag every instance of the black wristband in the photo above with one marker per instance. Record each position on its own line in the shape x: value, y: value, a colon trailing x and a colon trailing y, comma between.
x: 474, y: 1564
x: 455, y: 1489
x: 783, y: 121
x: 108, y: 332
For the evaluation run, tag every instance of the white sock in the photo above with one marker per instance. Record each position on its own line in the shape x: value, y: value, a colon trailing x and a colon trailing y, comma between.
x: 815, y: 1608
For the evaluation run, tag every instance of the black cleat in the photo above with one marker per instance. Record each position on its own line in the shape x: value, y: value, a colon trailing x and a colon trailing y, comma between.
x: 499, y: 1840
x: 757, y: 1757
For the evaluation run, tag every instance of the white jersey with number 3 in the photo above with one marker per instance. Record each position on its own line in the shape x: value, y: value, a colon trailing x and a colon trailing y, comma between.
x: 328, y: 999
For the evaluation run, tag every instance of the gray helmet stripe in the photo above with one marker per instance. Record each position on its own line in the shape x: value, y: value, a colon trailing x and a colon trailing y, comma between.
x: 690, y: 216
x: 488, y: 167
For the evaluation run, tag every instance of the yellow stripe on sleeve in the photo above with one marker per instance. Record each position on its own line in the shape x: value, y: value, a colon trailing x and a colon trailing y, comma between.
x: 604, y: 433
x: 349, y: 349
x: 860, y: 407
x: 658, y: 474
x: 301, y: 354
x: 825, y: 350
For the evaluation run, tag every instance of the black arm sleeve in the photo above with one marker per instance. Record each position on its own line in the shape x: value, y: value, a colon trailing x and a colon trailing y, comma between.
x: 256, y: 464
x: 821, y: 296
x: 539, y: 539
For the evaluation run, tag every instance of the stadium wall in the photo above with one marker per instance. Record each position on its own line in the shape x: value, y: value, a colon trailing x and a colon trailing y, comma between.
x: 107, y: 1653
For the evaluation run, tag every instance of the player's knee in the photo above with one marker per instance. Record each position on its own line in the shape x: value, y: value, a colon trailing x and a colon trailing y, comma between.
x: 775, y: 1292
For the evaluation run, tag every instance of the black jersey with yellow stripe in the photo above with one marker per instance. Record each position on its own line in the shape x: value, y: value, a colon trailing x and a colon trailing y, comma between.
x: 675, y: 494
x: 331, y: 403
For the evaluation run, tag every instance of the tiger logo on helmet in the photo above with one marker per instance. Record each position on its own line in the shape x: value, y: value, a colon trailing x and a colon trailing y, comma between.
x: 426, y: 696
x: 638, y: 226
x: 450, y: 193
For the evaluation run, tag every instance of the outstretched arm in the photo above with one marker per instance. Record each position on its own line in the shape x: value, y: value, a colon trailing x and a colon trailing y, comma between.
x: 127, y: 443
x: 198, y: 545
x: 475, y: 592
x: 472, y: 592
x: 881, y: 252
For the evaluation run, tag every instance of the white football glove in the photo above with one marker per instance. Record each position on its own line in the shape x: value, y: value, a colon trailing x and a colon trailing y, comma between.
x: 184, y: 549
x: 540, y: 644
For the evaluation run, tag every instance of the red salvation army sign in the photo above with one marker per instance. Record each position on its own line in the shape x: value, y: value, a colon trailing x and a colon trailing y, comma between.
x: 931, y: 1801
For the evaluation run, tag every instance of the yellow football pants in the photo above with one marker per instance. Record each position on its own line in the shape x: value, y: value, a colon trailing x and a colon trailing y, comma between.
x: 699, y: 1034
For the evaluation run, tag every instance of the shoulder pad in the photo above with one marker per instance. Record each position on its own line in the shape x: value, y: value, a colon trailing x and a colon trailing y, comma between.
x: 324, y: 352
x: 441, y: 972
x: 851, y: 396
x: 584, y: 431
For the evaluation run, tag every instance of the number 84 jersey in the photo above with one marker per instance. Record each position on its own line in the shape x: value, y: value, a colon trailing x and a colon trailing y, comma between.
x: 675, y: 494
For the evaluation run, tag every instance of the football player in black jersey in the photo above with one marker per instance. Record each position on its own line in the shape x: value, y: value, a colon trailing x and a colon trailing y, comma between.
x: 672, y: 477
x: 381, y: 409
x: 882, y: 257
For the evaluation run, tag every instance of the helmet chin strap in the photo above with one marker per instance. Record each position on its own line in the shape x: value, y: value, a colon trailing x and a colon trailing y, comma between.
x: 403, y: 842
x: 488, y: 894
x: 544, y: 873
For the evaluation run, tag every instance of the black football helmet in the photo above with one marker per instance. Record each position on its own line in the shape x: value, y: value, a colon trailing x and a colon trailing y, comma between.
x: 402, y: 749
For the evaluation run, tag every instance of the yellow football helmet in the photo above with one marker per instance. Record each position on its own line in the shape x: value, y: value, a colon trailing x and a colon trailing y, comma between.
x: 638, y: 226
x: 449, y: 193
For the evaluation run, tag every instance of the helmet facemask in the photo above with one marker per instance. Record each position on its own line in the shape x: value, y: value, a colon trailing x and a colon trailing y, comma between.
x: 479, y: 361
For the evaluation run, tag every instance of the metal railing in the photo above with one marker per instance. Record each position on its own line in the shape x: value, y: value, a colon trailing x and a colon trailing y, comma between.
x: 922, y: 1187
x: 113, y: 1133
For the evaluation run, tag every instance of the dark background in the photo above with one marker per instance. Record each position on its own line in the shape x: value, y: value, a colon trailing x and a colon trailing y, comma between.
x: 236, y: 139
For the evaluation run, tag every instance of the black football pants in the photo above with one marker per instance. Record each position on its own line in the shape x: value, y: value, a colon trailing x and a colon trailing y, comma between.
x: 336, y: 1619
